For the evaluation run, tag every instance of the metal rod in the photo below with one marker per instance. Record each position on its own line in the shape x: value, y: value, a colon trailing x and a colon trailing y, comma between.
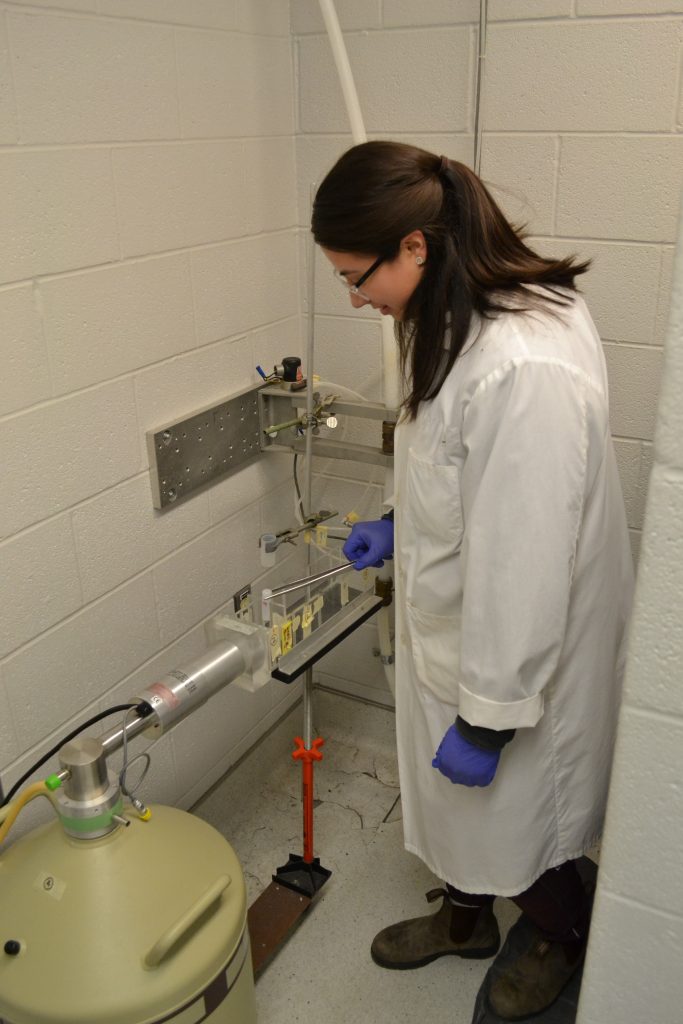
x: 113, y: 739
x: 479, y: 86
x: 308, y: 581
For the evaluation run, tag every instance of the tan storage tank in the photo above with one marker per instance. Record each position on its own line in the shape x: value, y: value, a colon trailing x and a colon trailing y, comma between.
x: 144, y: 925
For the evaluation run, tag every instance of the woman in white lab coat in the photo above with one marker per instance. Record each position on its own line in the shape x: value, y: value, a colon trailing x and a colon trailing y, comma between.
x: 513, y: 567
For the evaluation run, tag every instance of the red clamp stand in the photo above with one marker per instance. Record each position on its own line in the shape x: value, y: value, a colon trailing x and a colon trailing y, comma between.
x: 305, y: 874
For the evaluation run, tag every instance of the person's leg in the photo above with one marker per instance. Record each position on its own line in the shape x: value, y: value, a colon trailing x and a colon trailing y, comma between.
x: 464, y: 925
x: 557, y: 904
x: 559, y: 907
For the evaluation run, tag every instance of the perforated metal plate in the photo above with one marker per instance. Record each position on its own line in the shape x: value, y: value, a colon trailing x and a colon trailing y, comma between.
x: 190, y: 453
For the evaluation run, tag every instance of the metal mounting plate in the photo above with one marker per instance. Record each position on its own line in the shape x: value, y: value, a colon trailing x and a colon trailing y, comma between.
x: 187, y: 454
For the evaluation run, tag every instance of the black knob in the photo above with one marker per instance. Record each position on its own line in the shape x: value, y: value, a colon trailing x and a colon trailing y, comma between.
x: 291, y: 365
x: 12, y: 947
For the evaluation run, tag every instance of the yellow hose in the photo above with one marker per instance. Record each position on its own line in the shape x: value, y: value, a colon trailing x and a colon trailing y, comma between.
x: 12, y: 811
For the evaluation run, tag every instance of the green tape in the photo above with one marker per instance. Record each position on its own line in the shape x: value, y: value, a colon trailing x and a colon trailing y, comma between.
x: 92, y: 824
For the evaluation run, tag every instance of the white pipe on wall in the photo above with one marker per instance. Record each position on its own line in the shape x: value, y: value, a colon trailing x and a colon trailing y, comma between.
x: 390, y: 389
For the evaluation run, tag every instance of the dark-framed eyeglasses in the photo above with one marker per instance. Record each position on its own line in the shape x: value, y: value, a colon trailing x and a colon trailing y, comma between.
x: 355, y: 289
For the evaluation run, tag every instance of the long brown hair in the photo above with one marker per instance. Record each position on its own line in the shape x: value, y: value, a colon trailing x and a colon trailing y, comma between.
x: 477, y: 262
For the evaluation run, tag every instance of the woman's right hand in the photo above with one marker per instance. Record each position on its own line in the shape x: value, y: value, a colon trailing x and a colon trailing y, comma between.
x: 370, y: 543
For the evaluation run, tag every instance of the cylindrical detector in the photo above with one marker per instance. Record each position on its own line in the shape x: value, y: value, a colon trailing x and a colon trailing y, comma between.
x: 185, y: 689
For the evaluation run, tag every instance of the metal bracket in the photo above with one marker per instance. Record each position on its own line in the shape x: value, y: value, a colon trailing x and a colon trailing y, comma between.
x: 187, y: 454
x: 287, y: 411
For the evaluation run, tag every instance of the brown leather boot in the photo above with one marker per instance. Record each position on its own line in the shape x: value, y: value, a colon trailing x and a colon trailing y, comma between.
x: 470, y: 932
x: 533, y: 982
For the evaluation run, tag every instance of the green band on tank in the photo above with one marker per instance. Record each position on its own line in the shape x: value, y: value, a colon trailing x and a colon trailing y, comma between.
x: 92, y: 824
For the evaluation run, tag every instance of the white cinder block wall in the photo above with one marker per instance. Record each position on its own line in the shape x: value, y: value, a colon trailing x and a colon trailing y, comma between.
x: 148, y: 262
x: 636, y: 947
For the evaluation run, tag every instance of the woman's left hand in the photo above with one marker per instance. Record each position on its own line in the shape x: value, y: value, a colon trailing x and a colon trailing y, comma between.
x: 463, y: 763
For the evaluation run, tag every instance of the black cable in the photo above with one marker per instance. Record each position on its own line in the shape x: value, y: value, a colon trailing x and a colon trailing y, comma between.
x: 91, y: 721
x: 297, y: 489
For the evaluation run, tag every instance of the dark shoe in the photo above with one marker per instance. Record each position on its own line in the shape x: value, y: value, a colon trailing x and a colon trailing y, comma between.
x: 470, y: 932
x: 533, y: 982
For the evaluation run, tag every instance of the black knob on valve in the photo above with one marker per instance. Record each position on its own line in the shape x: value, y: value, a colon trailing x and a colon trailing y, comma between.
x: 12, y: 947
x: 291, y: 365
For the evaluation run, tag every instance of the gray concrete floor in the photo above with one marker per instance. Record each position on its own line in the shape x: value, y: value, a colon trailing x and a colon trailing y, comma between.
x: 324, y: 971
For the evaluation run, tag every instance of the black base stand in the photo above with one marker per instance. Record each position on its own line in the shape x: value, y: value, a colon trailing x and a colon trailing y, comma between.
x: 302, y: 876
x: 563, y: 1010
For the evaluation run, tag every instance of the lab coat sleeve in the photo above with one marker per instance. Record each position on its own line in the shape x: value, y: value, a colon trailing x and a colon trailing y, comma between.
x: 522, y: 490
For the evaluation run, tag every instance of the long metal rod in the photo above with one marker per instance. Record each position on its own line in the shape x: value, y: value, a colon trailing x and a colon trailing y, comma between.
x: 307, y: 581
x: 479, y: 85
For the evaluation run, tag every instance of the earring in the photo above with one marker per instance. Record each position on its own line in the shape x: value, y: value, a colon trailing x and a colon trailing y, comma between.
x: 419, y: 260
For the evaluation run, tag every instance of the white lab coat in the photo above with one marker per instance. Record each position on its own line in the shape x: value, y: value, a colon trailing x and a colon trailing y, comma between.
x: 513, y: 587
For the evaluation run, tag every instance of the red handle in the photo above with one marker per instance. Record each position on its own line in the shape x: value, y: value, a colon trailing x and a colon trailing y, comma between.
x: 307, y: 756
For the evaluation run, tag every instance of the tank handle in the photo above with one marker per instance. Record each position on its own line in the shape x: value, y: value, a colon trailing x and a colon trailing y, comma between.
x: 172, y: 935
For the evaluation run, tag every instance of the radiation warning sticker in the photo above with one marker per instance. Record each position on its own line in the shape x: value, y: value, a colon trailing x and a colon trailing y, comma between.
x: 275, y: 647
x: 307, y: 618
x: 286, y: 637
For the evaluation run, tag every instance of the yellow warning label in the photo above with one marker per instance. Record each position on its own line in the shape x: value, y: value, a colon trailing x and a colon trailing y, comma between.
x: 321, y: 535
x: 286, y: 637
x: 307, y: 616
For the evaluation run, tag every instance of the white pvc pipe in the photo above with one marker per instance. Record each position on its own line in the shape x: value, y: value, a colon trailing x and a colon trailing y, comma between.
x: 358, y: 133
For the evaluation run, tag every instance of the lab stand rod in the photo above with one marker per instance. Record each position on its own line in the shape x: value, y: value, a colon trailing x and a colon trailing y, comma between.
x: 308, y: 581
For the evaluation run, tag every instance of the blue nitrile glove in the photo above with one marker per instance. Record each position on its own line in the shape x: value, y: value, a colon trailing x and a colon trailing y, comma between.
x: 463, y: 763
x: 370, y: 543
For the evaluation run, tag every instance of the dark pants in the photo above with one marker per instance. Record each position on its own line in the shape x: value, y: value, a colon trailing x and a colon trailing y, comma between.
x: 556, y: 903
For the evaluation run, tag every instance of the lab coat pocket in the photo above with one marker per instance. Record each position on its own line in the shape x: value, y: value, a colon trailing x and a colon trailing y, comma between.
x: 435, y: 648
x: 433, y: 500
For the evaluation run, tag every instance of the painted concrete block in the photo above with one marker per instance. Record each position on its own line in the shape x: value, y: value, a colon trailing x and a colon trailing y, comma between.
x: 235, y: 492
x: 72, y: 665
x: 349, y: 353
x: 620, y: 286
x: 508, y: 10
x: 206, y: 738
x: 8, y: 120
x: 620, y: 187
x: 177, y: 195
x: 9, y: 748
x: 653, y: 675
x: 520, y: 172
x: 394, y: 72
x: 628, y: 973
x: 629, y: 455
x: 25, y: 375
x: 66, y: 451
x: 268, y: 17
x: 51, y: 189
x: 198, y: 13
x: 268, y: 199
x: 120, y: 533
x: 200, y: 578
x: 664, y: 295
x: 634, y: 380
x: 178, y: 387
x: 578, y: 76
x: 352, y: 15
x: 244, y: 284
x: 108, y: 80
x: 39, y: 582
x: 66, y: 5
x: 234, y: 85
x: 104, y: 323
x: 622, y: 7
x: 407, y: 14
x: 653, y: 784
x: 670, y: 427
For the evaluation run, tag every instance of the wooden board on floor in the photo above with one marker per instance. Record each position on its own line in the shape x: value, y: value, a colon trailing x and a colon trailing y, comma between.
x: 271, y: 918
